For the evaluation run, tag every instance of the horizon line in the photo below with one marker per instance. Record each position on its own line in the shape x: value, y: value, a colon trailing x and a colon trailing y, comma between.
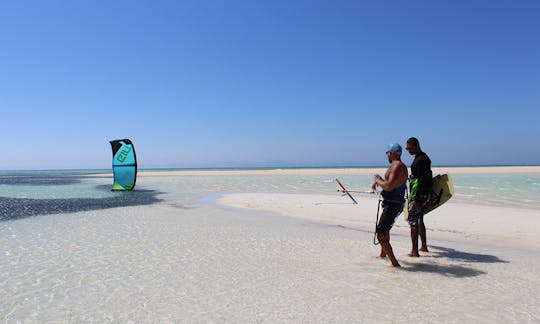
x: 274, y: 167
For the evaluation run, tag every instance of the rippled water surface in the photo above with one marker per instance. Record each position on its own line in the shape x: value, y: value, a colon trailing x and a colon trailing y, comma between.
x: 72, y: 251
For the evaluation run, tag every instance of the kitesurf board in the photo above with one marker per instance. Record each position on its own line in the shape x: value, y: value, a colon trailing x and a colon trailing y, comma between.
x: 346, y: 191
x: 442, y: 190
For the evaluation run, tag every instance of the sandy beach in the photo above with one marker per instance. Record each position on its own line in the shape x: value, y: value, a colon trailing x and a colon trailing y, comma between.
x: 452, y: 222
x: 333, y: 171
x: 222, y: 247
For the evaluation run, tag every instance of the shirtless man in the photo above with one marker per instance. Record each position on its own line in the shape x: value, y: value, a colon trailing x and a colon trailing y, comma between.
x: 393, y: 185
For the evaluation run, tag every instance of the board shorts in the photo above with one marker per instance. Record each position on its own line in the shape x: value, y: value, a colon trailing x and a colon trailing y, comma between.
x: 390, y: 211
x: 416, y: 216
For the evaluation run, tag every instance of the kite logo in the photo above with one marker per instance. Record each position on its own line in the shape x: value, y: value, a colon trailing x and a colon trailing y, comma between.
x: 123, y: 154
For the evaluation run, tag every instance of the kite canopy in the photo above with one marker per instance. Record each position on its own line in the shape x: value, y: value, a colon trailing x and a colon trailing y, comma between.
x: 124, y: 165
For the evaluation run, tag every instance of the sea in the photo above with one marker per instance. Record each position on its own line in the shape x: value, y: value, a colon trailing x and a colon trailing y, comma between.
x: 73, y: 251
x: 31, y: 193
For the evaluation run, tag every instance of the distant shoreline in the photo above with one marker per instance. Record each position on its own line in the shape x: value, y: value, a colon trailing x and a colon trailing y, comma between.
x: 355, y: 169
x: 324, y: 171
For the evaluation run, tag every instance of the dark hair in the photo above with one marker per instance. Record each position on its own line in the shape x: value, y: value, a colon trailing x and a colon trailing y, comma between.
x: 413, y: 140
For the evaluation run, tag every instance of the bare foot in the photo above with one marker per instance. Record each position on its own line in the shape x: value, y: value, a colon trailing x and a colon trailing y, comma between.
x: 414, y: 255
x: 424, y: 249
x: 397, y: 265
x: 382, y: 255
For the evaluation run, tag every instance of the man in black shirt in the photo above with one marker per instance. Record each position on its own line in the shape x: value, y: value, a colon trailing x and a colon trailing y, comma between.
x: 420, y: 183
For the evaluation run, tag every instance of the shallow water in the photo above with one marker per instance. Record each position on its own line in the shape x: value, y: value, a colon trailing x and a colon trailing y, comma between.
x: 162, y: 263
x: 45, y: 188
x: 166, y: 252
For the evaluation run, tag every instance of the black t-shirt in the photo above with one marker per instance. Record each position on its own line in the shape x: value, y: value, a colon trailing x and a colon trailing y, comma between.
x: 421, y: 170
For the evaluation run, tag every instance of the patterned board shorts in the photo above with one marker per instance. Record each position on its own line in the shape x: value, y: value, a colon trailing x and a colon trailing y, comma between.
x: 390, y: 211
x: 416, y: 216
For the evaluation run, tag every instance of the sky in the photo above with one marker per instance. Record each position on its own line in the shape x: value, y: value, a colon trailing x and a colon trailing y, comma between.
x: 243, y: 83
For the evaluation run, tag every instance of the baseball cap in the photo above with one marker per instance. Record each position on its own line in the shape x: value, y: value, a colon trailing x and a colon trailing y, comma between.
x: 394, y: 148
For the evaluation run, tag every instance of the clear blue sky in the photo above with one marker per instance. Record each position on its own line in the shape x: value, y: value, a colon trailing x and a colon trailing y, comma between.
x: 241, y: 83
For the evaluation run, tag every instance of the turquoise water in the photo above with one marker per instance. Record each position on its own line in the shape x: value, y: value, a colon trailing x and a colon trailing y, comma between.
x: 517, y: 190
x: 32, y: 193
x: 511, y: 190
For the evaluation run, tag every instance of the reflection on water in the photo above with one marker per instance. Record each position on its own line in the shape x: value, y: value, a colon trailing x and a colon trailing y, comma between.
x: 38, y: 179
x: 14, y: 208
x: 48, y: 177
x: 33, y: 193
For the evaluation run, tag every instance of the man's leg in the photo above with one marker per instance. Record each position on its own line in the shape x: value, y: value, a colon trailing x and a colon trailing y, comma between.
x: 384, y: 239
x: 383, y: 253
x: 414, y: 241
x: 422, y: 233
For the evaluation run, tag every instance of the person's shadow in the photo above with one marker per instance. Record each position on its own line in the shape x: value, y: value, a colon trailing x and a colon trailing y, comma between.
x: 444, y: 252
x: 455, y: 271
x: 452, y: 270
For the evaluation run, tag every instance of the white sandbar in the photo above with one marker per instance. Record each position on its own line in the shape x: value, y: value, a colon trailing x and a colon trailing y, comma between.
x: 333, y: 171
x: 507, y: 227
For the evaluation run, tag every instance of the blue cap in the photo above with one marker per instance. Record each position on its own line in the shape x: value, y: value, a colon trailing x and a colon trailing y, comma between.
x: 394, y: 148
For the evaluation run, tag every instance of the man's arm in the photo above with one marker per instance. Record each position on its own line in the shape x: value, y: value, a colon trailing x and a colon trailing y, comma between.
x: 394, y: 179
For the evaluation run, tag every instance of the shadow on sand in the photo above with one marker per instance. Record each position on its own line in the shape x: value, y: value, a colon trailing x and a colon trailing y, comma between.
x: 444, y: 252
x: 17, y: 208
x: 334, y: 203
x: 453, y: 270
